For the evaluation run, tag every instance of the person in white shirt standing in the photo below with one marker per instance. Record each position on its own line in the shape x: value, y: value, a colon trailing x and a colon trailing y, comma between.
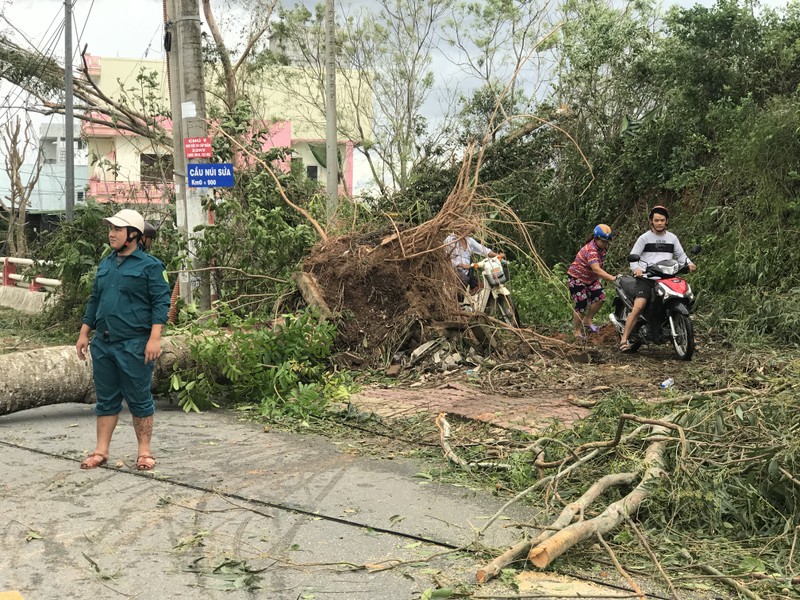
x: 654, y: 245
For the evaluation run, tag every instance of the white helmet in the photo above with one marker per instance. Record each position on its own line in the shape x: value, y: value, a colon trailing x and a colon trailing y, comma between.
x: 127, y: 218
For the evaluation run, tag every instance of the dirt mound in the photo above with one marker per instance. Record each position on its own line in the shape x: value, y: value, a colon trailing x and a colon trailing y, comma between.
x: 380, y: 289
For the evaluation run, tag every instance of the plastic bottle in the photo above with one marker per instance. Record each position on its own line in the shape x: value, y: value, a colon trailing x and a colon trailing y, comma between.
x: 667, y: 383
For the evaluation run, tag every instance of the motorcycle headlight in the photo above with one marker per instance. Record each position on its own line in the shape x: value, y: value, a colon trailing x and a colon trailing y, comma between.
x: 689, y: 295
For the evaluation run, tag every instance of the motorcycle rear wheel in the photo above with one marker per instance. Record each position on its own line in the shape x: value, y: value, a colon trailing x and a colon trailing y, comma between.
x: 683, y: 340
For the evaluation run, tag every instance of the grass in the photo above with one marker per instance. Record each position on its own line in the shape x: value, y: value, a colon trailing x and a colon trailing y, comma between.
x: 19, y: 332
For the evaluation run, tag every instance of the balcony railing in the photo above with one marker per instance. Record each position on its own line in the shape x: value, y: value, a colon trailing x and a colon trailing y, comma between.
x: 133, y: 192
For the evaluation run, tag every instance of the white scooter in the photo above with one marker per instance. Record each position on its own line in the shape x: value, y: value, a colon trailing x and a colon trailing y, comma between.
x: 492, y: 297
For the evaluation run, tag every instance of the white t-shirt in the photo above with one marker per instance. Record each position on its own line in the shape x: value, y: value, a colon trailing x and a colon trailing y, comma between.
x: 653, y: 248
x: 462, y: 254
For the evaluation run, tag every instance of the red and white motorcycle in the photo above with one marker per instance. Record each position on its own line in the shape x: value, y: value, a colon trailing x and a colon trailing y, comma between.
x: 668, y: 311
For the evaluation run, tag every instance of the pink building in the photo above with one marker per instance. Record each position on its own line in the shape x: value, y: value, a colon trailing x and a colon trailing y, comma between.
x: 125, y: 167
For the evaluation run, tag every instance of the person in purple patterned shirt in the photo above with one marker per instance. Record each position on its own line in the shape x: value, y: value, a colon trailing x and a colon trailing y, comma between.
x: 583, y: 278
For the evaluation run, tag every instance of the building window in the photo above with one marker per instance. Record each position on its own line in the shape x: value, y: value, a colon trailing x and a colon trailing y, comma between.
x: 155, y: 168
x: 312, y: 172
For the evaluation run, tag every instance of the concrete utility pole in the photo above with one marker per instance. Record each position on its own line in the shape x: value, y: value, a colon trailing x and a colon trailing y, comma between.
x: 69, y: 134
x: 331, y: 144
x: 188, y: 102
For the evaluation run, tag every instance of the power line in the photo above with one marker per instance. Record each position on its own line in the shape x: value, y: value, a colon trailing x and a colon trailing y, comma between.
x: 43, y: 57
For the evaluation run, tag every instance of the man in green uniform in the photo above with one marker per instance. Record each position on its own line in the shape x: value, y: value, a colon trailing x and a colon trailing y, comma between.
x: 127, y: 311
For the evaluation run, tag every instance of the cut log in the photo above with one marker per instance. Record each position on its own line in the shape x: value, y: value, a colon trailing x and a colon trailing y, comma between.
x: 56, y: 375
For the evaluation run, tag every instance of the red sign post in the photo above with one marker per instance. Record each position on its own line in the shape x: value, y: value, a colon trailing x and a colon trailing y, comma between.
x: 197, y: 147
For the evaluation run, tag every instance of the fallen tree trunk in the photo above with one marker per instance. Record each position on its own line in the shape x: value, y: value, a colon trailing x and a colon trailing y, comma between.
x: 56, y: 375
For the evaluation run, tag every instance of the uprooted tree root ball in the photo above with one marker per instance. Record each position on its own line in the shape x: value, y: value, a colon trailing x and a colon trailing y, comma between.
x: 379, y: 292
x: 382, y: 283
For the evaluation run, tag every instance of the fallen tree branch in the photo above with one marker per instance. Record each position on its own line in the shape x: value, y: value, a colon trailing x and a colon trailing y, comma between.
x: 618, y: 439
x: 742, y: 589
x: 618, y: 566
x: 569, y: 512
x: 444, y: 437
x: 653, y: 558
x: 321, y: 232
x: 537, y: 484
x: 544, y: 553
x: 697, y: 395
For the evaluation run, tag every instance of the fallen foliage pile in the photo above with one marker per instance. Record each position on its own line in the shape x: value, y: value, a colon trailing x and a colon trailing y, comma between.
x: 676, y: 487
x: 389, y: 285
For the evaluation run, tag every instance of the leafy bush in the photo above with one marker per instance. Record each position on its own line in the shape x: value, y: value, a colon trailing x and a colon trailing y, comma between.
x: 256, y: 240
x: 543, y: 300
x: 72, y: 252
x: 280, y: 369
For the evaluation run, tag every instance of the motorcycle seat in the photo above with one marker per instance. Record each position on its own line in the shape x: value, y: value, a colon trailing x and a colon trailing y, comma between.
x: 628, y: 285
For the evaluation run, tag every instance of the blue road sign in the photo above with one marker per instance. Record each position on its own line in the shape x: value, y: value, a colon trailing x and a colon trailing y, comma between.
x: 209, y: 175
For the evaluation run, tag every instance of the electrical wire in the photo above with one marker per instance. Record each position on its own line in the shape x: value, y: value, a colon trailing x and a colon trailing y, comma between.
x: 11, y: 109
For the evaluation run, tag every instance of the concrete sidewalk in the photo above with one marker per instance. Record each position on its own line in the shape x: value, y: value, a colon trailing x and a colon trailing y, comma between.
x: 531, y: 414
x: 228, y: 507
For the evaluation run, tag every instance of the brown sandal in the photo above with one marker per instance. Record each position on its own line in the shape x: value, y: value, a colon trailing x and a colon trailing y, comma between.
x: 143, y: 465
x: 88, y: 463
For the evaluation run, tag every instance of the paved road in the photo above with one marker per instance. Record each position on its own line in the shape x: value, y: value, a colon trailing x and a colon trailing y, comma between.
x: 229, y: 507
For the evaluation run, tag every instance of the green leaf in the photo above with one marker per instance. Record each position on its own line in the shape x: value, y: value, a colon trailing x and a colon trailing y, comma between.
x: 750, y: 564
x: 431, y: 594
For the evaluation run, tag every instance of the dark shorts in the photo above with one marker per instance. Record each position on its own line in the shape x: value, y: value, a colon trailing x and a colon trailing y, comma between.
x: 584, y: 294
x: 644, y: 288
x: 468, y: 278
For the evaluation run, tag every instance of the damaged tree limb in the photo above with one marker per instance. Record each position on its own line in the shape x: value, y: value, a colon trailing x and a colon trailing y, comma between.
x: 544, y: 553
x: 569, y: 512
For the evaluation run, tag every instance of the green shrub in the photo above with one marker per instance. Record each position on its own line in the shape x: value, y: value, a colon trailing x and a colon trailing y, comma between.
x: 543, y: 300
x: 281, y: 369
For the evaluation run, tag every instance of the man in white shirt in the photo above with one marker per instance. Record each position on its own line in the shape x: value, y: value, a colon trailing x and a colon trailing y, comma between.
x: 653, y: 246
x: 461, y: 250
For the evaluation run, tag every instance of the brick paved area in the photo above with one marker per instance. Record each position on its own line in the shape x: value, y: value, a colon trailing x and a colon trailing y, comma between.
x: 529, y: 413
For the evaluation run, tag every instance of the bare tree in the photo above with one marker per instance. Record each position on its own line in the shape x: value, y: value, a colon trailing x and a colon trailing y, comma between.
x: 261, y: 13
x: 384, y: 57
x: 17, y: 143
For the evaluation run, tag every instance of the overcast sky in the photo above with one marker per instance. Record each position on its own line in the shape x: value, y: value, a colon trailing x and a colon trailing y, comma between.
x: 131, y: 29
x: 118, y: 28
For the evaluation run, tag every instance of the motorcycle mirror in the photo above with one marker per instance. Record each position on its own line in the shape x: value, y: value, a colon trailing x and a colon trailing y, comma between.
x: 633, y: 258
x: 696, y: 249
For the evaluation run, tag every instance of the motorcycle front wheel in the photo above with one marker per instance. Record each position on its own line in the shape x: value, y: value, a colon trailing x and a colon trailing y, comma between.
x: 506, y: 310
x: 683, y: 339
